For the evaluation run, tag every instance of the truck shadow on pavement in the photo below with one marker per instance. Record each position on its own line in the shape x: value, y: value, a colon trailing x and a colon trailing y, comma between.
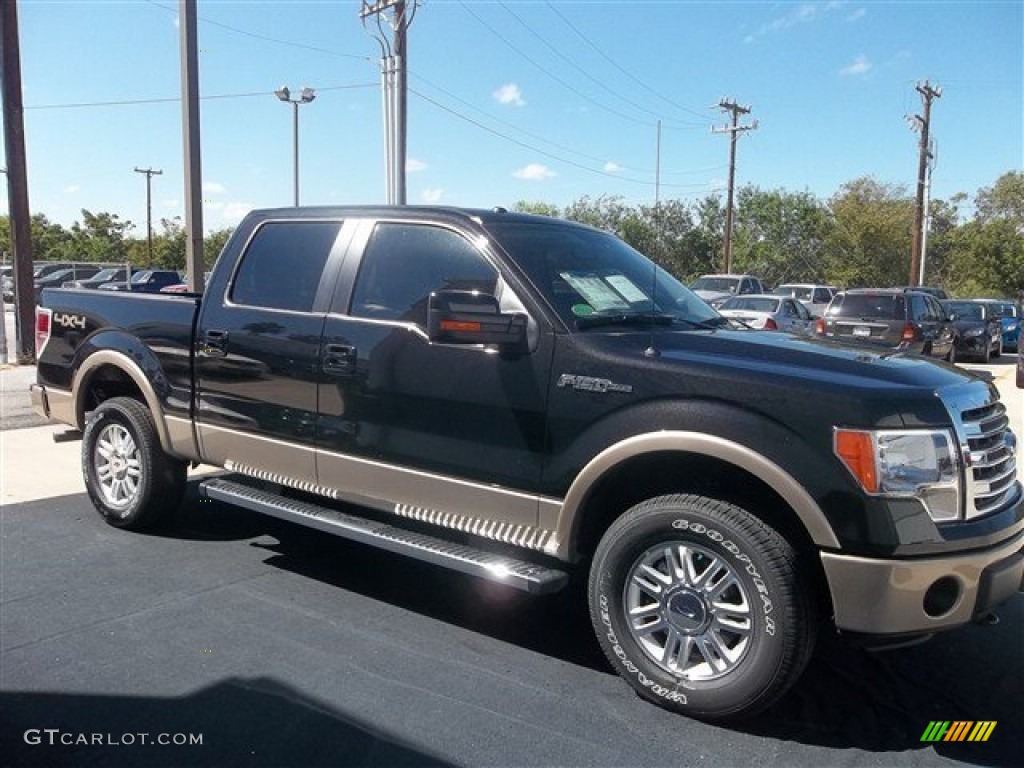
x: 848, y: 698
x: 258, y: 722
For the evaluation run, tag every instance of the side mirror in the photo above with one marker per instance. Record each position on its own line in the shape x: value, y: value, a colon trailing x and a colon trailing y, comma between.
x: 954, y: 317
x: 472, y: 317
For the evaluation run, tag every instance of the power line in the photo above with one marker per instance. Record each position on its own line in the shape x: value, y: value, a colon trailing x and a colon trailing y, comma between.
x: 615, y: 64
x: 176, y: 99
x: 267, y: 38
x: 549, y: 142
x: 545, y: 153
x: 552, y: 75
x: 580, y: 69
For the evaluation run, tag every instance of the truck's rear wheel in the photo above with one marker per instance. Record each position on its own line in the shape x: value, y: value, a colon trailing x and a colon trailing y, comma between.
x: 695, y: 602
x: 130, y: 480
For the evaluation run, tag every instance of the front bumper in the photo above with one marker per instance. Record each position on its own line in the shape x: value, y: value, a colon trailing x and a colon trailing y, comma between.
x: 892, y: 597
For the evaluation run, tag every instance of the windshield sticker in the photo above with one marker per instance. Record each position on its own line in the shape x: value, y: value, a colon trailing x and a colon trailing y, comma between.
x: 597, y: 293
x: 582, y: 310
x: 627, y: 288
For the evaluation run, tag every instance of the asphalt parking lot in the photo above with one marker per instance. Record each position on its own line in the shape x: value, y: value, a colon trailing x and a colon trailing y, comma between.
x: 276, y: 645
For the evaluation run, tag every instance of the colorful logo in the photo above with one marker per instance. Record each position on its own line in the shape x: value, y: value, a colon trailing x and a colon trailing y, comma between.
x: 958, y: 730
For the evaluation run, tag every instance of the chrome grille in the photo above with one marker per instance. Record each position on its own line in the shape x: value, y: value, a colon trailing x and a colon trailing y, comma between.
x: 991, y: 464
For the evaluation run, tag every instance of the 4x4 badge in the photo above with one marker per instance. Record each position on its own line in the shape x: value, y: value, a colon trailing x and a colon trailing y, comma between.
x: 590, y: 384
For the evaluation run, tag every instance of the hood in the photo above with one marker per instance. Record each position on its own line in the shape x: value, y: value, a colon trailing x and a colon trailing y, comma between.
x: 770, y: 354
x: 709, y: 295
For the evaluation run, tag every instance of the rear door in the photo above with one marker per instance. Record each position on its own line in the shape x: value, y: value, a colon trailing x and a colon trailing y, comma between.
x: 425, y: 429
x: 258, y: 351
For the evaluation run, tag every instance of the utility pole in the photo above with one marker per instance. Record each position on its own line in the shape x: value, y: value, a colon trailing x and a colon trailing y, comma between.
x: 922, y: 124
x: 150, y: 173
x: 398, y: 15
x: 932, y: 159
x: 17, y: 184
x: 734, y: 130
x: 187, y: 20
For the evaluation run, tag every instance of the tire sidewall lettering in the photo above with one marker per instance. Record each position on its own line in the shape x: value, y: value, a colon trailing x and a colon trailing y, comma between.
x: 746, y: 564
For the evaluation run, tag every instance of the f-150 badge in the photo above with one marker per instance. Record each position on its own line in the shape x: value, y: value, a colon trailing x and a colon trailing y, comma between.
x: 590, y: 384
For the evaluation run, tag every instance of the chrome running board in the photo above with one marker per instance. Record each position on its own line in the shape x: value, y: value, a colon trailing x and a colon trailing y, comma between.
x: 529, y: 577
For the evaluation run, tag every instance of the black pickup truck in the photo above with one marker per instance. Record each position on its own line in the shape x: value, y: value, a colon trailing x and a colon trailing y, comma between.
x: 527, y: 400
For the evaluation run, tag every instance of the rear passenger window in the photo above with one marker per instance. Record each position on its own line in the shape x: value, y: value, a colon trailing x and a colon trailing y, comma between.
x: 282, y: 266
x: 404, y: 263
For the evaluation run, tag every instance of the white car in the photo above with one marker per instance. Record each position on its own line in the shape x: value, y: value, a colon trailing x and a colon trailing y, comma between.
x: 769, y: 312
x: 716, y: 288
x: 814, y: 297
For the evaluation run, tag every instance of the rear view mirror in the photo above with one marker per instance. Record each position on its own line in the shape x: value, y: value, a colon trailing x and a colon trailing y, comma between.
x: 472, y: 317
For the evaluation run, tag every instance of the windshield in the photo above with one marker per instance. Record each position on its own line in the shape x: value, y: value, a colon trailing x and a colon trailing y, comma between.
x: 801, y: 292
x: 749, y: 304
x: 883, y: 306
x: 584, y: 273
x: 965, y: 310
x: 103, y: 274
x: 1004, y: 309
x: 141, y: 277
x: 719, y: 284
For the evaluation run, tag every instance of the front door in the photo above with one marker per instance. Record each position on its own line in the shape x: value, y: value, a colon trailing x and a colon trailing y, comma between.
x: 420, y: 428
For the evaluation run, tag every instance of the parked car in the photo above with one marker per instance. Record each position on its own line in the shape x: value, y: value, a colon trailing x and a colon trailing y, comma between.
x: 1009, y: 315
x: 108, y: 275
x: 978, y: 330
x: 182, y: 287
x: 903, y: 321
x: 814, y: 297
x: 715, y: 289
x: 769, y: 313
x: 1020, y: 366
x: 62, y: 276
x: 146, y: 281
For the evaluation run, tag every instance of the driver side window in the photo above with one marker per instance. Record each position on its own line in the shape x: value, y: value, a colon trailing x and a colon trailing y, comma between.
x: 404, y: 263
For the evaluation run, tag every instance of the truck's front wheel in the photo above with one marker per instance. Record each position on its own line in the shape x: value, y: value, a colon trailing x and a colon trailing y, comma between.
x: 695, y: 602
x: 130, y: 480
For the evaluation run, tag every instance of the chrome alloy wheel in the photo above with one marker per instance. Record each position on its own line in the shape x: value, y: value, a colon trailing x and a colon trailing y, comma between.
x: 118, y: 466
x: 688, y: 610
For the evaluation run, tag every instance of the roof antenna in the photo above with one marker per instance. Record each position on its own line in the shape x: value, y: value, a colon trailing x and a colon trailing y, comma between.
x: 651, y: 350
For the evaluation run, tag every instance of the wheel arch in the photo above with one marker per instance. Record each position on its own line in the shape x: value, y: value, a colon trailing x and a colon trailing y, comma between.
x: 110, y: 373
x: 674, y: 461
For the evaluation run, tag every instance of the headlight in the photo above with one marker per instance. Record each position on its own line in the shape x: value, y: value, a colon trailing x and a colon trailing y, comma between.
x: 974, y: 332
x: 917, y: 464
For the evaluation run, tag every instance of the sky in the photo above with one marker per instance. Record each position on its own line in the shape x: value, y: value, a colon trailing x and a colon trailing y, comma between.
x: 512, y: 100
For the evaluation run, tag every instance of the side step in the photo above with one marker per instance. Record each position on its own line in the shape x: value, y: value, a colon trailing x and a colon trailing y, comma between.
x: 529, y: 577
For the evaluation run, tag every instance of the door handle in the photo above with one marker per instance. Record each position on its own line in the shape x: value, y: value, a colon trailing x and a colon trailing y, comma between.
x: 215, y: 343
x: 339, y: 358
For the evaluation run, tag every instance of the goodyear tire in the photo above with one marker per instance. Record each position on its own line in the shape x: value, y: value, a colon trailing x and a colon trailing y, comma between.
x: 131, y: 481
x: 696, y: 604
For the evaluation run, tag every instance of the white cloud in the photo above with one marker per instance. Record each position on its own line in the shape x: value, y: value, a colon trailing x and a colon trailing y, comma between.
x: 412, y: 165
x: 71, y: 189
x: 860, y: 66
x: 857, y: 15
x: 509, y: 94
x: 230, y: 213
x: 213, y: 188
x: 433, y: 195
x: 612, y: 167
x: 800, y: 14
x: 534, y: 172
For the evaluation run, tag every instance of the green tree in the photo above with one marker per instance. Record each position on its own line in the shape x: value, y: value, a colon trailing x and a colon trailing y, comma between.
x: 780, y: 236
x: 100, y: 237
x: 537, y: 207
x: 870, y: 242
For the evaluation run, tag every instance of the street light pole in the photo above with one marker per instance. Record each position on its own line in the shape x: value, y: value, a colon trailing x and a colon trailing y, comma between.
x: 150, y: 173
x: 306, y: 95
